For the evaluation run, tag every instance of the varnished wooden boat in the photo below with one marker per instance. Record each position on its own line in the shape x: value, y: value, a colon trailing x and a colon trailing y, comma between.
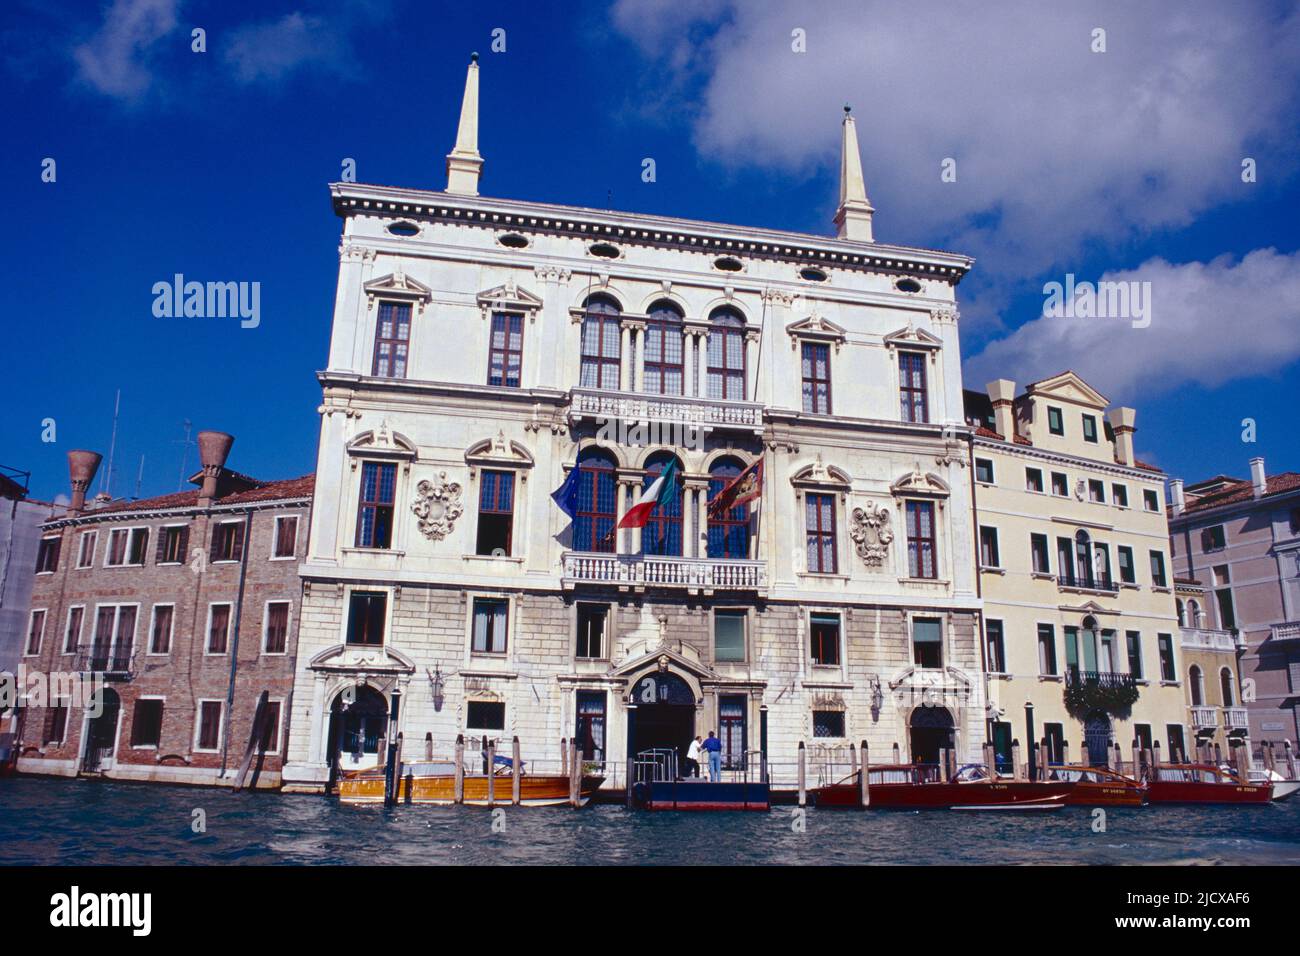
x: 1099, y: 787
x: 1202, y: 783
x: 435, y: 783
x: 907, y: 787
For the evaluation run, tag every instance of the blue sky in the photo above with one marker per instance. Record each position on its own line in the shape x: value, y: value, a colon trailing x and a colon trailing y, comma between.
x: 1123, y: 163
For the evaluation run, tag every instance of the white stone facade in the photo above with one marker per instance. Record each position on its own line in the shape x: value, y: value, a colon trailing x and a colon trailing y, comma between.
x: 456, y: 260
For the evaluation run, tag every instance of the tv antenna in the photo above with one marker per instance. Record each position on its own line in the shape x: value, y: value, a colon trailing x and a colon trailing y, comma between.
x: 186, y: 442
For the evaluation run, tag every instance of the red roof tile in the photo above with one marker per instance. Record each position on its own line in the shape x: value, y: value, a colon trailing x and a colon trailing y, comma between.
x: 1243, y: 491
x: 265, y: 491
x: 990, y: 433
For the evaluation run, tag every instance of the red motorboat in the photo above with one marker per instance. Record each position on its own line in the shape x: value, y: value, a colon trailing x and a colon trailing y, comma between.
x: 914, y: 787
x: 1202, y: 783
x: 1099, y: 787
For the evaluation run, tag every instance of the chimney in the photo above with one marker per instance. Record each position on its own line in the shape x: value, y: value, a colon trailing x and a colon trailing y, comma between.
x: 1122, y: 424
x: 214, y: 448
x: 1003, y: 393
x: 82, y: 466
x: 1176, y: 495
x: 1258, y: 480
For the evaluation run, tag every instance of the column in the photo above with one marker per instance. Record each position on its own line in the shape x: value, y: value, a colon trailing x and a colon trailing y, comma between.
x: 751, y: 373
x: 622, y: 502
x: 702, y: 350
x: 316, y: 750
x: 638, y: 358
x: 624, y: 351
x: 702, y: 522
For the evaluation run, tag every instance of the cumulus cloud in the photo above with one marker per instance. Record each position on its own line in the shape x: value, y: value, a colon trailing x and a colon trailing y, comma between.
x: 115, y: 59
x: 1211, y: 322
x: 272, y: 50
x: 1057, y: 148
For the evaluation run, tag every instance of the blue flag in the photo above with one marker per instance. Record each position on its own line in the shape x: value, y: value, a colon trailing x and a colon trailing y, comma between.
x: 566, y: 496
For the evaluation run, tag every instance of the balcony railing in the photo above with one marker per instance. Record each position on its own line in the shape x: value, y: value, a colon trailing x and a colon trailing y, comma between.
x: 1204, y: 718
x: 1210, y: 639
x: 1102, y: 584
x: 1101, y: 678
x: 1236, y: 718
x: 111, y: 662
x: 635, y: 570
x: 637, y: 408
x: 1287, y: 631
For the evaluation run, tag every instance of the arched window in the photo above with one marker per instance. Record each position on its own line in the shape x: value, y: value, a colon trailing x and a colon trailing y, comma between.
x: 662, y: 533
x: 726, y: 372
x: 1083, y: 558
x: 1088, y: 635
x: 1194, y: 613
x: 593, y: 525
x: 1197, y: 686
x: 601, y: 335
x: 664, y: 370
x: 728, y: 533
x: 1225, y: 686
x: 1182, y: 616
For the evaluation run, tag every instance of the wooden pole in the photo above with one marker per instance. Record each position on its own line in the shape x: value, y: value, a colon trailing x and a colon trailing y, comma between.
x: 575, y: 775
x: 459, y: 792
x: 1017, y: 772
x: 1042, y: 760
x: 1266, y: 753
x: 864, y: 782
x: 1116, y: 758
x: 898, y: 756
x: 1290, y: 761
x: 1065, y: 751
x: 492, y: 772
x: 1155, y: 754
x: 428, y: 746
x: 990, y: 761
x: 515, y: 771
x: 853, y: 760
x: 564, y: 757
x: 803, y: 774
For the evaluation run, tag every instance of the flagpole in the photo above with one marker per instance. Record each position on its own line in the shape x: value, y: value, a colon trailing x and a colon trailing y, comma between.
x: 758, y: 368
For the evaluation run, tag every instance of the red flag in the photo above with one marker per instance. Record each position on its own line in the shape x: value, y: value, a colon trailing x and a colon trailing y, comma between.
x: 744, y: 488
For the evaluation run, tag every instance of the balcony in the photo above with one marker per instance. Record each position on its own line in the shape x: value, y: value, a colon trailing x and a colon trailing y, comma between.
x: 1102, y: 584
x: 1236, y: 718
x: 653, y: 571
x: 1287, y: 631
x: 1204, y: 718
x: 1208, y: 639
x: 1100, y: 678
x: 111, y: 663
x: 683, y: 411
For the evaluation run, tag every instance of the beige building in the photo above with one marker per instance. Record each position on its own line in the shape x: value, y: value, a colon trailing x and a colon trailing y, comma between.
x: 1079, y: 616
x: 1215, y: 711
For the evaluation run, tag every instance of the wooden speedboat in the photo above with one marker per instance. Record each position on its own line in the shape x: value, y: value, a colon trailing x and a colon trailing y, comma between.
x: 907, y: 787
x: 1099, y: 787
x: 1202, y: 783
x: 434, y: 782
x: 1282, y: 787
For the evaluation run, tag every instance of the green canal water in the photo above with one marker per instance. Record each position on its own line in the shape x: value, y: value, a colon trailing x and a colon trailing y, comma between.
x: 83, y: 822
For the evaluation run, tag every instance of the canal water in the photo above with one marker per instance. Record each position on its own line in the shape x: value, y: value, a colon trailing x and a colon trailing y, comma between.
x: 84, y: 822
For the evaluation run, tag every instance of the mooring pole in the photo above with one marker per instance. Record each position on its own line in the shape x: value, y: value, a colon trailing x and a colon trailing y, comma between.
x: 458, y: 794
x: 803, y: 775
x: 864, y: 781
x: 515, y: 771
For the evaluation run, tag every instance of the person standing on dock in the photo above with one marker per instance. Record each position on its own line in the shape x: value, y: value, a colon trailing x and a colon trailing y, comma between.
x: 693, y: 758
x: 713, y: 747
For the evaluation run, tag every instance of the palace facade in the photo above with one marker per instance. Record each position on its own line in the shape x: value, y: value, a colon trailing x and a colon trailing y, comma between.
x: 484, y: 351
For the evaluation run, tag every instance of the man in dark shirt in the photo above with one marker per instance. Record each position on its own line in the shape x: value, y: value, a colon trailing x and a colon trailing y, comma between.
x: 713, y: 747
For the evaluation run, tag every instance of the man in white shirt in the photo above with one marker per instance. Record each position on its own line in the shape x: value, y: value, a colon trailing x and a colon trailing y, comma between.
x: 693, y: 758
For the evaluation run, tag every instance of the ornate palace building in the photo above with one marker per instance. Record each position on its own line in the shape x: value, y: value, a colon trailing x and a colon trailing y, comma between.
x: 488, y: 353
x: 1079, y: 607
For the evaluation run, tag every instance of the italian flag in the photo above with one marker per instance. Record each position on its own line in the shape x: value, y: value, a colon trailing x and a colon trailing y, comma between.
x: 661, y: 491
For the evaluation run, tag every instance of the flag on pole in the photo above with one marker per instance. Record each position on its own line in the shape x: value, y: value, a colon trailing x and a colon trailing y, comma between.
x: 661, y: 491
x: 566, y: 496
x: 744, y: 488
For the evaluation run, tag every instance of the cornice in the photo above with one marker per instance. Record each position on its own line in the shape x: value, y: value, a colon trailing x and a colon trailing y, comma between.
x: 647, y: 230
x: 1033, y: 451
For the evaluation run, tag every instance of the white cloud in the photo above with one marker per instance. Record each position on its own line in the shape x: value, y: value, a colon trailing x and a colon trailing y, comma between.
x: 1211, y: 322
x: 272, y: 50
x: 114, y: 60
x: 1057, y: 147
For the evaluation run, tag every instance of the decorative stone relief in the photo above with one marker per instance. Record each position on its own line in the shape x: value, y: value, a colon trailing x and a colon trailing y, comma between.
x: 871, y: 534
x: 437, y: 506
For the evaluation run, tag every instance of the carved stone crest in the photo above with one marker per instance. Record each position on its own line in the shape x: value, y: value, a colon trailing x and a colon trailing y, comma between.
x: 871, y: 534
x: 437, y: 506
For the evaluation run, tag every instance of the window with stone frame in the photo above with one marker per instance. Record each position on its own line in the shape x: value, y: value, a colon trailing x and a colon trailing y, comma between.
x: 496, y: 512
x: 47, y: 555
x: 392, y: 340
x: 375, y: 505
x: 824, y: 631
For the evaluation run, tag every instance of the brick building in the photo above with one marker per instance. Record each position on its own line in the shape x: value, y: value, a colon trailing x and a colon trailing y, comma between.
x: 184, y: 610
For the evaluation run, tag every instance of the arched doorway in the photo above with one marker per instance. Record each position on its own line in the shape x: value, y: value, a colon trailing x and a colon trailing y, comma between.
x: 101, y: 733
x: 664, y: 716
x: 358, y: 719
x: 930, y: 730
x: 1096, y: 739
